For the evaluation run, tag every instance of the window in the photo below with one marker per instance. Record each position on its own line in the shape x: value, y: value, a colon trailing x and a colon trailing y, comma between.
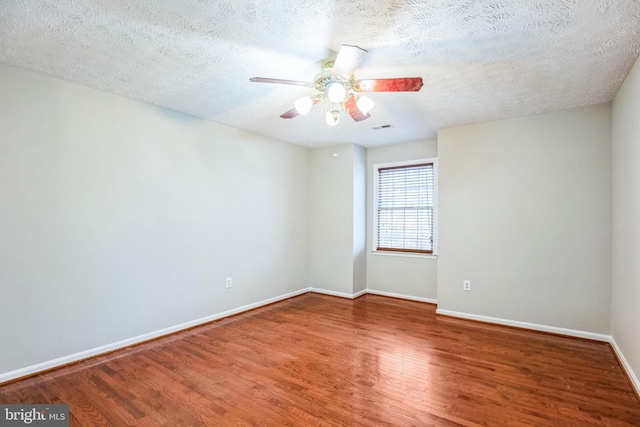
x: 405, y: 206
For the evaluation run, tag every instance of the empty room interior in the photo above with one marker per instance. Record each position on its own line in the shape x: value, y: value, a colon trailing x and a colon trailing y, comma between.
x: 208, y: 212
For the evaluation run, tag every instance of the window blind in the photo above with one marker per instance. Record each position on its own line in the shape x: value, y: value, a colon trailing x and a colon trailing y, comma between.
x: 405, y: 208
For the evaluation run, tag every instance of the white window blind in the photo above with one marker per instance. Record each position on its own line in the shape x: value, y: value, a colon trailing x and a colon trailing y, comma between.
x: 405, y: 208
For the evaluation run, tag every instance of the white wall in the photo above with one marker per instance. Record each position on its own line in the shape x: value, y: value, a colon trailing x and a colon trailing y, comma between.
x: 336, y: 191
x: 118, y: 218
x: 525, y: 214
x: 390, y: 274
x: 625, y: 319
x: 359, y: 219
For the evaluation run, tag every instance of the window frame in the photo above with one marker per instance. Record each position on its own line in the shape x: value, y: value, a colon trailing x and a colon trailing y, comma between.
x: 376, y: 177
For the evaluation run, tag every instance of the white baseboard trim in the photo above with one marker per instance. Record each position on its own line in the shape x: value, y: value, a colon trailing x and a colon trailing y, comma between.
x: 526, y: 325
x: 373, y: 292
x: 336, y: 293
x: 402, y: 296
x: 50, y: 364
x: 359, y: 294
x: 626, y: 366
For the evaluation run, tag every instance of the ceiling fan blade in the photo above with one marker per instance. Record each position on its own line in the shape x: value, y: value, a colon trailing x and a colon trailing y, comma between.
x: 290, y: 114
x: 349, y: 58
x: 403, y: 84
x: 351, y: 107
x: 280, y: 81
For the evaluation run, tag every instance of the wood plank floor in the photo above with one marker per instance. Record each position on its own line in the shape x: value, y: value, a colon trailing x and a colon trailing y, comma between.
x: 316, y: 360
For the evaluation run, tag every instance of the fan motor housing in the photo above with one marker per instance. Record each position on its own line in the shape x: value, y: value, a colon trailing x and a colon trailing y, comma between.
x: 323, y: 79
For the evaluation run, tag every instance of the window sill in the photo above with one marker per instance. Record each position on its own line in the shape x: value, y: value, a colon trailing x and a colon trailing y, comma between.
x: 405, y: 254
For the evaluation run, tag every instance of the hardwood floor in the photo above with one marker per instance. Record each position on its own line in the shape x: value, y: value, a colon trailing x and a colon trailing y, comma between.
x: 316, y: 360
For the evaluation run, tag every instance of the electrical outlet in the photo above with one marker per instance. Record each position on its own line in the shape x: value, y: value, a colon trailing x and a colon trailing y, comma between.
x: 466, y: 285
x: 228, y: 284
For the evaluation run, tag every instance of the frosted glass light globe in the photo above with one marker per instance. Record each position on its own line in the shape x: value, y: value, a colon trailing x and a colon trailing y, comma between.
x: 365, y: 104
x: 303, y: 105
x: 332, y: 118
x: 336, y: 92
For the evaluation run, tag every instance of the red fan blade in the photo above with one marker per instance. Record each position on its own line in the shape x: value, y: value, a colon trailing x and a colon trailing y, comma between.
x: 280, y: 81
x: 405, y: 84
x: 290, y: 114
x: 349, y: 58
x: 352, y: 108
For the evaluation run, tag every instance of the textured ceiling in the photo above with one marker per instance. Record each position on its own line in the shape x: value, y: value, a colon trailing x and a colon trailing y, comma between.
x: 480, y: 60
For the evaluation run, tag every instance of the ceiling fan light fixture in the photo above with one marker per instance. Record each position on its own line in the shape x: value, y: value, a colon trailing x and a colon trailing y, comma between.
x: 303, y: 105
x: 336, y: 92
x: 339, y: 90
x: 365, y: 104
x: 332, y: 118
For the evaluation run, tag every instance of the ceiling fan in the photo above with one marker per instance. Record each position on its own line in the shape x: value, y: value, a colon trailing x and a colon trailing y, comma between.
x: 339, y: 90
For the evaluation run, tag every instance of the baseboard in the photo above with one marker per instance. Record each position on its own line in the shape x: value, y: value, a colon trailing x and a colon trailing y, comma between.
x: 359, y: 294
x: 373, y: 292
x: 336, y: 293
x: 626, y: 366
x: 526, y: 325
x: 65, y: 360
x: 402, y: 296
